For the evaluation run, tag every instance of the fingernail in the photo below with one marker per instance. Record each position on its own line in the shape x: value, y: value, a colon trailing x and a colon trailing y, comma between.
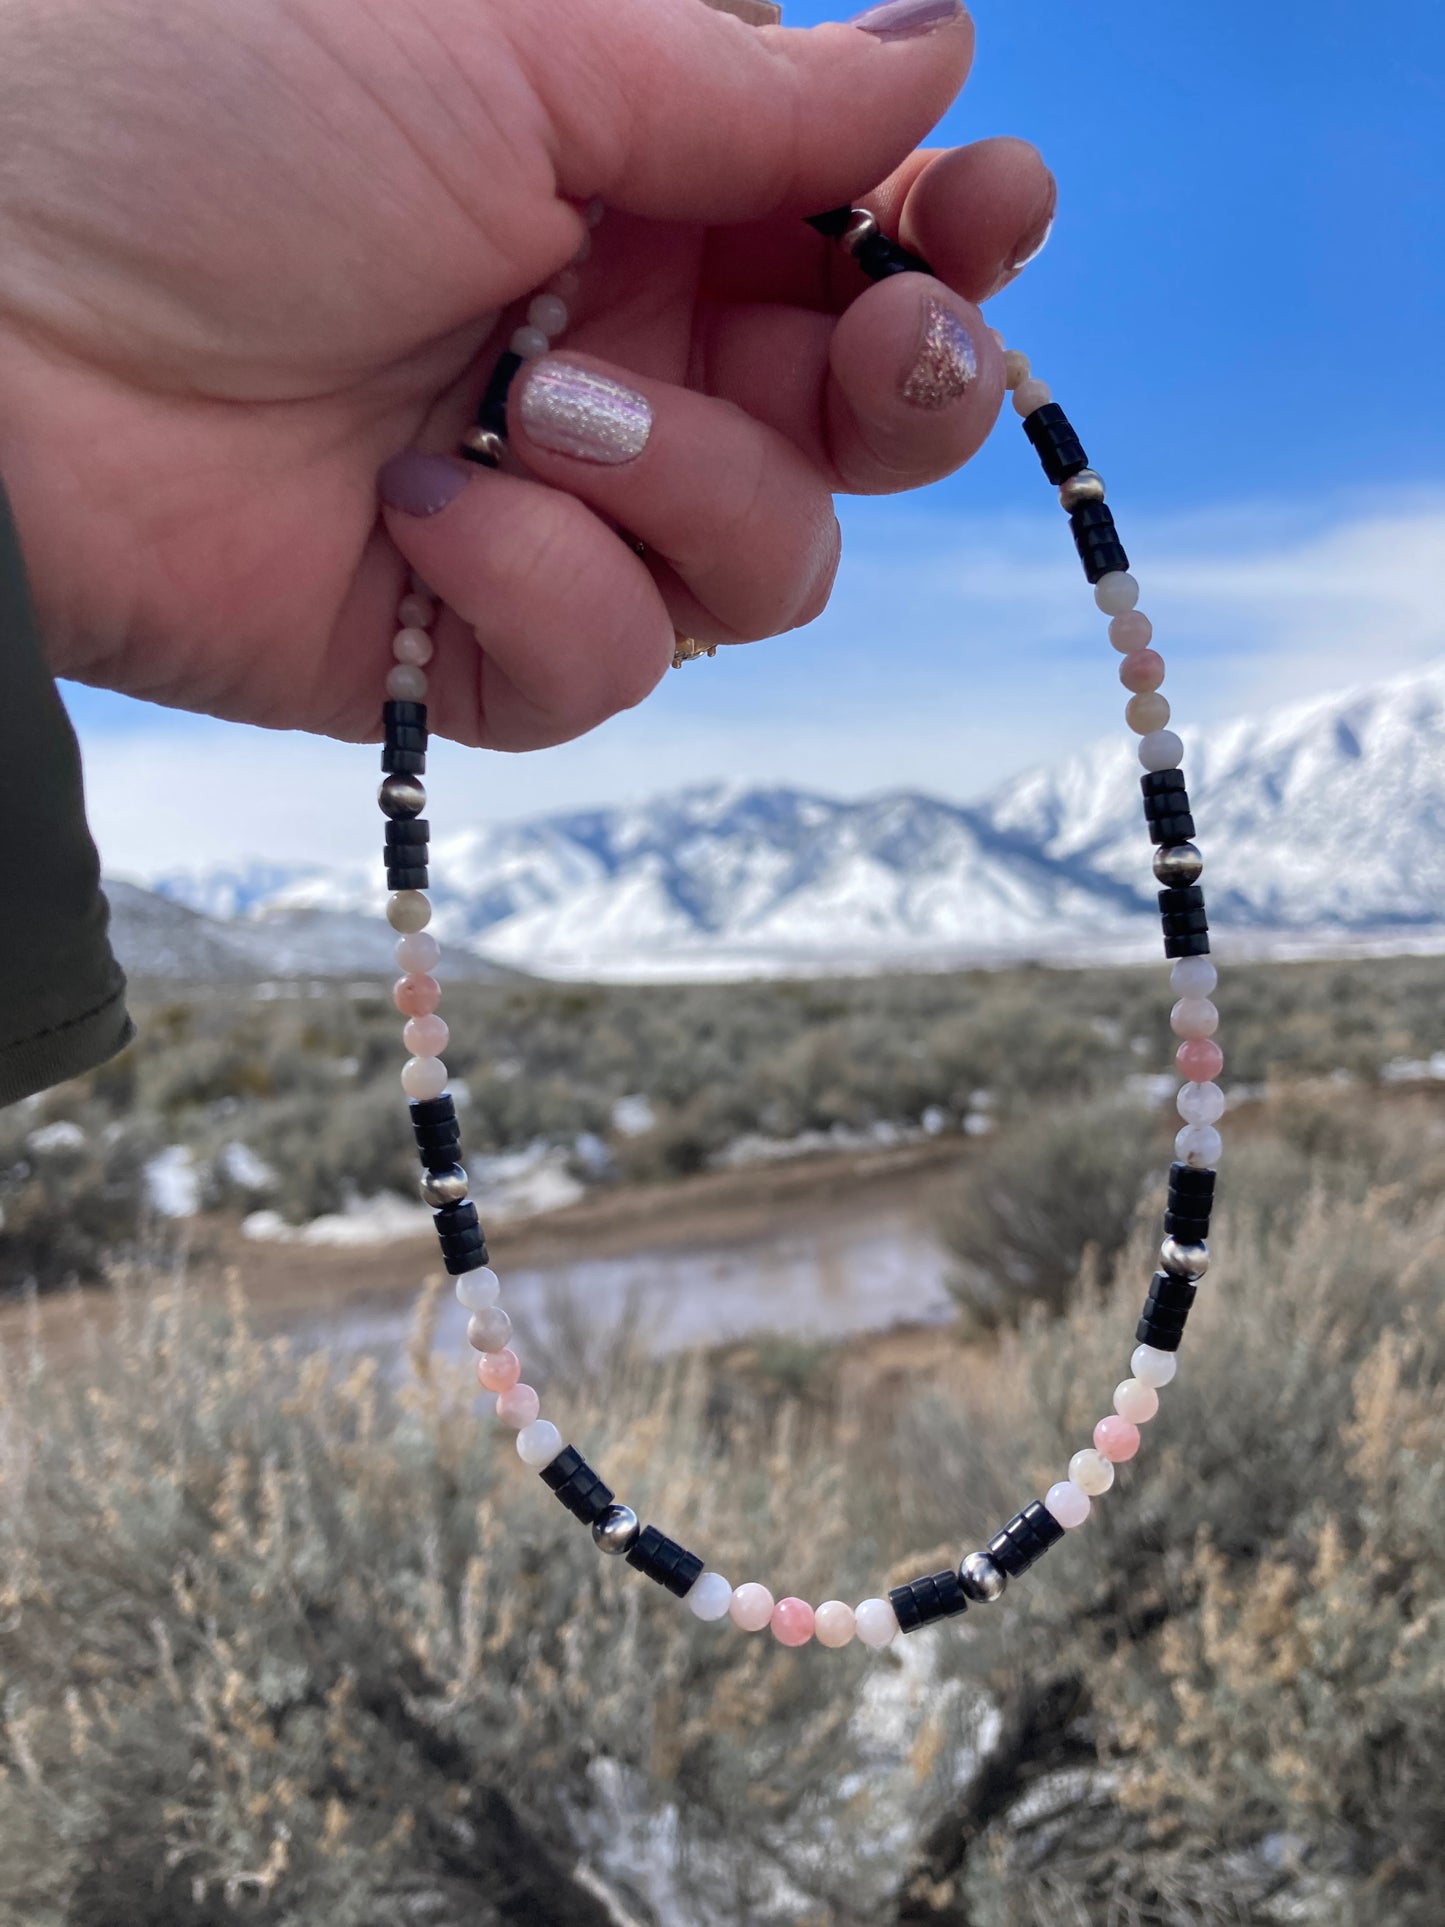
x: 575, y: 412
x: 946, y: 361
x: 1033, y: 244
x: 907, y: 19
x: 420, y: 484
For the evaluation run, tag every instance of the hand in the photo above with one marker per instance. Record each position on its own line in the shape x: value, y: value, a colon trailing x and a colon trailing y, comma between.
x: 247, y: 253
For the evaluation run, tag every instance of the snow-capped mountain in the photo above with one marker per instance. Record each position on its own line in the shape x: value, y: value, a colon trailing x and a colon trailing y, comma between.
x: 1323, y: 823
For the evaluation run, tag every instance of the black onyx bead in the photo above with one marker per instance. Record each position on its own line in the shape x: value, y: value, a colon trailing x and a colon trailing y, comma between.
x: 438, y: 1136
x: 1189, y: 1231
x: 440, y: 1155
x: 576, y: 1485
x: 492, y: 413
x: 833, y: 223
x: 1171, y: 1292
x: 1168, y: 830
x: 1184, y: 923
x: 433, y: 1110
x: 414, y: 829
x: 453, y: 1218
x: 395, y: 715
x: 1190, y: 1181
x: 1097, y: 540
x: 1026, y: 1537
x: 406, y: 876
x: 879, y: 257
x: 458, y: 1262
x: 664, y: 1560
x: 1173, y: 802
x: 1057, y: 446
x: 1162, y: 1337
x: 405, y: 736
x: 1195, y: 946
x: 403, y: 762
x: 1183, y: 896
x: 924, y: 1601
x: 1155, y: 782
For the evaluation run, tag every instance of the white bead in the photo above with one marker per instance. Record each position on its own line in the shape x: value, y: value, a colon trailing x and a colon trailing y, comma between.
x: 425, y: 1036
x: 412, y: 644
x: 1069, y: 1504
x: 834, y: 1624
x: 405, y: 683
x: 1116, y: 593
x: 528, y: 343
x: 477, y: 1290
x: 1200, y: 1103
x: 423, y: 1077
x: 1135, y: 1401
x: 1193, y: 976
x: 1193, y: 1017
x: 1028, y: 396
x: 1091, y: 1472
x: 547, y: 314
x: 711, y: 1596
x: 751, y: 1606
x: 1161, y: 749
x: 1152, y: 1366
x: 538, y: 1443
x: 1199, y: 1145
x: 418, y: 952
x: 876, y: 1622
x: 1015, y: 367
x: 415, y: 612
x: 1147, y: 713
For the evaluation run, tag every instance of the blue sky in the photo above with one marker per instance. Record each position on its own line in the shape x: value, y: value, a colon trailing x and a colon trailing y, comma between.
x: 1241, y: 306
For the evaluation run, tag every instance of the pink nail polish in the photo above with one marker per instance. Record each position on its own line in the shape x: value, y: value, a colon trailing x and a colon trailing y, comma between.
x: 907, y: 19
x: 575, y: 412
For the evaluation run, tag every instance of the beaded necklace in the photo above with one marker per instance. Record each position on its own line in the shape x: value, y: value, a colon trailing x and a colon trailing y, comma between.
x: 1183, y: 1256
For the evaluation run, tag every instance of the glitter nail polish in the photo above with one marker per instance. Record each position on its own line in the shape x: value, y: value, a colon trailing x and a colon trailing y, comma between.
x: 946, y: 362
x: 573, y: 411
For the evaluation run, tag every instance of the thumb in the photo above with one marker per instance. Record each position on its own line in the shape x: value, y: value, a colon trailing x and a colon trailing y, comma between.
x: 673, y: 111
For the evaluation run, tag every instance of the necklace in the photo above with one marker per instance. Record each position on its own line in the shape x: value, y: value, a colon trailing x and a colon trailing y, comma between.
x: 1183, y: 1256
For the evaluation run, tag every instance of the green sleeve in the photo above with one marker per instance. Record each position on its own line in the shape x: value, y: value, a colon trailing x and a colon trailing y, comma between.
x: 62, y: 994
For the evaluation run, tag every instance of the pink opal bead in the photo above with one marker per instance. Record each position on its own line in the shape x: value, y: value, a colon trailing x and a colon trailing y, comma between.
x: 1135, y: 1402
x: 425, y: 1036
x: 518, y: 1406
x: 498, y: 1371
x: 417, y: 995
x: 412, y: 645
x: 1069, y: 1504
x: 792, y: 1622
x: 1130, y: 631
x: 1116, y: 1439
x: 405, y: 683
x: 1199, y: 1059
x: 1142, y: 671
x: 752, y: 1607
x: 415, y: 612
x: 833, y: 1623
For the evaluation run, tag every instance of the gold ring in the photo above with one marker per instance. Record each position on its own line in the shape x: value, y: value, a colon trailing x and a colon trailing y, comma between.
x: 688, y: 649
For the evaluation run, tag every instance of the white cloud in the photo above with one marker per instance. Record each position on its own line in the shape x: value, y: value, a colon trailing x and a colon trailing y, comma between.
x: 956, y: 653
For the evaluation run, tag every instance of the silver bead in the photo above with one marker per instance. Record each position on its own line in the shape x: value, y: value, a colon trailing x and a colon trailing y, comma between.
x: 401, y: 796
x: 982, y: 1578
x: 1086, y: 486
x: 444, y: 1187
x: 616, y: 1530
x: 1185, y: 1261
x: 484, y: 445
x: 861, y: 227
x: 1180, y: 863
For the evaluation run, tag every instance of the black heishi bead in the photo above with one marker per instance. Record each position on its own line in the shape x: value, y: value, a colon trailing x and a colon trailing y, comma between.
x: 405, y: 736
x: 1189, y: 1231
x: 409, y: 877
x: 1166, y: 803
x: 833, y: 223
x: 456, y: 1217
x: 1055, y: 443
x: 924, y: 1601
x: 1155, y: 782
x: 1169, y: 1292
x: 493, y: 410
x: 1184, y: 923
x: 410, y: 829
x: 1181, y: 896
x: 438, y: 1137
x: 1026, y: 1537
x: 1097, y: 539
x: 433, y: 1110
x: 411, y: 715
x: 1166, y: 830
x: 403, y: 762
x: 462, y: 1240
x: 664, y: 1560
x: 458, y: 1262
x: 440, y: 1157
x: 1190, y: 1180
x: 1163, y: 1338
x: 1195, y: 946
x: 577, y: 1486
x: 879, y: 257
